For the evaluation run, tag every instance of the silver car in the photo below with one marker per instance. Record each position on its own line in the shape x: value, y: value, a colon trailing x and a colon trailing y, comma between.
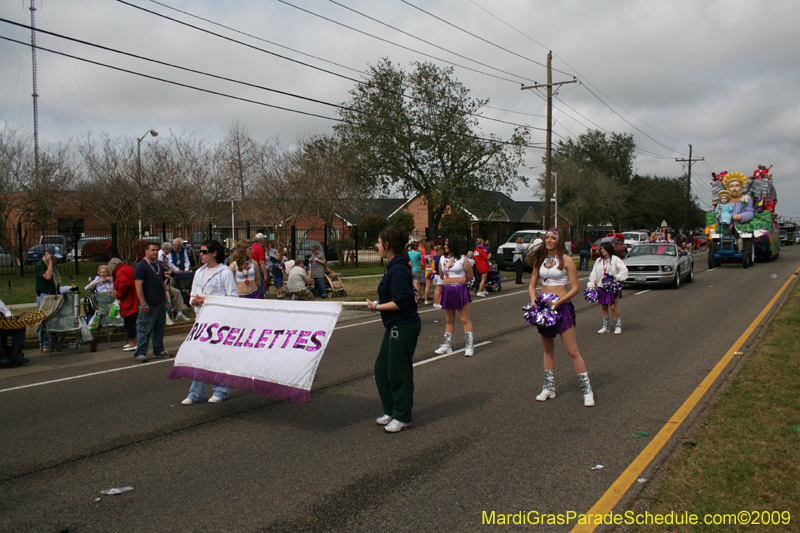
x: 659, y: 263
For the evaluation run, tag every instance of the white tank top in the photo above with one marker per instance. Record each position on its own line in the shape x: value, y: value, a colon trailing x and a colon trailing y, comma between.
x: 452, y: 267
x: 551, y: 275
x: 248, y: 274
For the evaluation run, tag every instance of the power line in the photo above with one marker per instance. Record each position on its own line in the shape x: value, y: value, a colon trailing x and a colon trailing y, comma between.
x: 480, y: 38
x: 359, y: 82
x: 583, y: 78
x: 256, y: 37
x: 217, y: 93
x: 422, y: 40
x: 396, y: 44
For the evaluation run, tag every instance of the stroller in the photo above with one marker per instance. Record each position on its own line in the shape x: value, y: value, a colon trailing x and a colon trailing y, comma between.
x: 64, y: 320
x: 333, y: 284
x: 493, y: 281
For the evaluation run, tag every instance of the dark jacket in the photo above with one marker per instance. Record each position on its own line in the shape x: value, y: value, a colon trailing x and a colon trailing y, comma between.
x: 126, y: 290
x: 397, y: 286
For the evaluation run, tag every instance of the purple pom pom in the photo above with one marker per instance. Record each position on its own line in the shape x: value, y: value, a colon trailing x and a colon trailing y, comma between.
x: 540, y: 313
x: 590, y: 295
x: 610, y: 284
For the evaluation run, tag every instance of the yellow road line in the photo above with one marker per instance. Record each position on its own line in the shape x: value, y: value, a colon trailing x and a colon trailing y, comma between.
x: 617, y: 490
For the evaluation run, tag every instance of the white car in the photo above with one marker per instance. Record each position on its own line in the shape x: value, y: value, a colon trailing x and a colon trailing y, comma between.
x: 632, y: 238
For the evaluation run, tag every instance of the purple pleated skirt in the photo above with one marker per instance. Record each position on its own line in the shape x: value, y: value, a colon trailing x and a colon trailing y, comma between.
x: 255, y: 295
x: 565, y: 321
x: 605, y: 297
x: 455, y: 295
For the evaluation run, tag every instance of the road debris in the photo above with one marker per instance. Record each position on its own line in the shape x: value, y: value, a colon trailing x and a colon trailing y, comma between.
x: 639, y: 434
x: 598, y: 467
x: 114, y: 491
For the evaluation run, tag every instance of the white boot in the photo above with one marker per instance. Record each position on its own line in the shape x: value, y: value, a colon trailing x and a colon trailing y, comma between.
x: 605, y: 328
x: 586, y: 387
x: 447, y: 345
x: 549, y: 388
x: 468, y: 350
x: 618, y: 327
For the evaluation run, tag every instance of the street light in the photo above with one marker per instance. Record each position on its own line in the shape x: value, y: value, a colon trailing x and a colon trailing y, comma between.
x: 139, y: 140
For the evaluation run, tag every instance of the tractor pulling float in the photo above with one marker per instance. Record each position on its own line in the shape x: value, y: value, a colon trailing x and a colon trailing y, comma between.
x: 743, y: 226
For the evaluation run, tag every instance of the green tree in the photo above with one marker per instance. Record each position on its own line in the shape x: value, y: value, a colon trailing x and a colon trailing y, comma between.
x: 403, y: 221
x: 372, y: 225
x: 660, y: 198
x: 418, y: 133
x: 456, y: 222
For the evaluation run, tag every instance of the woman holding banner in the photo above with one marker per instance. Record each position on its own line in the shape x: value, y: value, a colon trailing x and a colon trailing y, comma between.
x: 211, y: 279
x: 394, y: 375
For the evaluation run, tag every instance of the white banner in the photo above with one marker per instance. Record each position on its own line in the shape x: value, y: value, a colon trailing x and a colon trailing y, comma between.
x: 269, y: 347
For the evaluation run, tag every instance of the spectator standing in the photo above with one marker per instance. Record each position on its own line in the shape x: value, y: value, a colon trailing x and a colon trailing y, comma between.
x: 415, y: 257
x: 481, y: 258
x: 278, y: 272
x: 174, y: 296
x: 585, y: 254
x: 125, y: 288
x: 317, y: 266
x: 428, y: 259
x: 519, y: 257
x: 149, y: 276
x: 214, y: 278
x: 394, y: 373
x: 297, y: 281
x: 48, y: 280
x: 260, y: 258
x: 438, y: 251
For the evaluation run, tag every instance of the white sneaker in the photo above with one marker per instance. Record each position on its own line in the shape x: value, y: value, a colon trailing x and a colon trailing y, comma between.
x: 428, y: 302
x: 126, y: 346
x: 385, y: 419
x: 395, y: 426
x: 480, y: 294
x: 437, y: 306
x: 216, y: 399
x: 129, y: 348
x: 443, y: 349
x: 187, y: 401
x: 546, y: 394
x: 588, y: 399
x: 604, y: 329
x: 182, y: 318
x: 170, y: 322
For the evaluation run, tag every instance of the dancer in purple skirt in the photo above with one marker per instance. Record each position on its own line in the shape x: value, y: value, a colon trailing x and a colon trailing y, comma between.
x: 248, y: 275
x: 556, y: 270
x: 456, y: 272
x: 607, y: 276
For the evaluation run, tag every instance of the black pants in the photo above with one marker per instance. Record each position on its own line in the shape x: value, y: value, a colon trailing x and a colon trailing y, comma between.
x: 519, y: 266
x: 394, y: 373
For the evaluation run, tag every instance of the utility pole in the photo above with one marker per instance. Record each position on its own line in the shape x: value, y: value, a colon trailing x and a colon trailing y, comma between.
x: 35, y: 93
x: 548, y: 151
x: 688, y: 187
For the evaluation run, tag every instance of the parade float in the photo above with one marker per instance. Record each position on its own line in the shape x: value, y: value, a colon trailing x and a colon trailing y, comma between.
x: 743, y: 226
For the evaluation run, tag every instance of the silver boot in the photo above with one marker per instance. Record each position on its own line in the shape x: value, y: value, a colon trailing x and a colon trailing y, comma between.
x: 549, y: 388
x: 447, y: 345
x: 605, y: 328
x: 586, y: 388
x: 618, y: 327
x: 468, y: 351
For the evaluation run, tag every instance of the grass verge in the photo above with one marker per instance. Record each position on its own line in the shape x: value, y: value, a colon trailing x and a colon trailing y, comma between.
x: 746, y: 455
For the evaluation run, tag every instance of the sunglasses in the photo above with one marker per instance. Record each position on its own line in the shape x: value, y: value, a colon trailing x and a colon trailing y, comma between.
x: 204, y: 252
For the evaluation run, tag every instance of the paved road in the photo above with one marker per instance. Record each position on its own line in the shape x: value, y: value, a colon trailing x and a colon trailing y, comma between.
x: 480, y: 442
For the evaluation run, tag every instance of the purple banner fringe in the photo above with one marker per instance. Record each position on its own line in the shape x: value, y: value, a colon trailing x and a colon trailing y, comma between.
x: 256, y: 386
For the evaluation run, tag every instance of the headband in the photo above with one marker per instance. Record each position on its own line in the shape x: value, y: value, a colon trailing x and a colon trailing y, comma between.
x: 553, y: 233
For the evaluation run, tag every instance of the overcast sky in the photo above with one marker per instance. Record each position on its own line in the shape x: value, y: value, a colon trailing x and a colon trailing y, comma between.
x: 723, y: 75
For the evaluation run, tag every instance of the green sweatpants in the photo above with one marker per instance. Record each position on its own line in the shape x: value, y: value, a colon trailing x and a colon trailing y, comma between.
x: 394, y: 373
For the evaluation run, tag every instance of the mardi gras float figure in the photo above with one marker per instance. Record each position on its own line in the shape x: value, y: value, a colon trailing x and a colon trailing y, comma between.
x: 751, y: 231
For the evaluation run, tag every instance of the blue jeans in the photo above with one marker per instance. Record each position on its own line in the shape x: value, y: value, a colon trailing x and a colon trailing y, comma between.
x: 44, y: 340
x: 586, y: 256
x: 197, y: 392
x: 151, y: 324
x: 319, y: 287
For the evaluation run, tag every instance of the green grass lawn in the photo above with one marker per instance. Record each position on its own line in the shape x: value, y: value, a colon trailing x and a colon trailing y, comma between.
x: 746, y: 456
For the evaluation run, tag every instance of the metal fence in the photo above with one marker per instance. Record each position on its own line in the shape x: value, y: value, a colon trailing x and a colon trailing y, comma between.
x: 86, y: 247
